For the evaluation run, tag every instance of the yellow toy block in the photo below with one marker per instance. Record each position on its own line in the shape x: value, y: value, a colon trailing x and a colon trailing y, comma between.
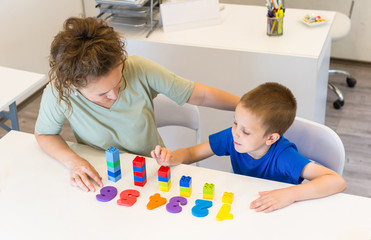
x: 164, y: 189
x: 208, y: 196
x: 185, y: 194
x: 164, y: 184
x: 227, y: 197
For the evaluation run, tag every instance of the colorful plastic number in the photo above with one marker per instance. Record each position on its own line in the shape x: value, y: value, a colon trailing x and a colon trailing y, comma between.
x: 174, y: 202
x: 107, y: 194
x: 155, y: 201
x: 223, y: 213
x: 201, y: 208
x: 128, y: 197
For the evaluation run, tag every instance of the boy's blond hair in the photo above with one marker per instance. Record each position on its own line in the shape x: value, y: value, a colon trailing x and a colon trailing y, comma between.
x: 274, y: 104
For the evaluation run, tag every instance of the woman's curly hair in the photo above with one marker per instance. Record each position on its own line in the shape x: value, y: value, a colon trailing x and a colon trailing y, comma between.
x: 85, y: 47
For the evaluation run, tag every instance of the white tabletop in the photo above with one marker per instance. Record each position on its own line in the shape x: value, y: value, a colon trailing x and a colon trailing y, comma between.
x: 14, y: 84
x: 243, y: 28
x: 37, y: 202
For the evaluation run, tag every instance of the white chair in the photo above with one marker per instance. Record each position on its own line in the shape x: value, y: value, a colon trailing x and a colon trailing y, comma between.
x: 174, y: 123
x: 340, y: 29
x: 318, y: 143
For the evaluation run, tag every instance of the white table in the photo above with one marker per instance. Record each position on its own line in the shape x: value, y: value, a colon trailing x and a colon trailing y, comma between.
x: 15, y: 84
x: 237, y: 56
x: 37, y: 202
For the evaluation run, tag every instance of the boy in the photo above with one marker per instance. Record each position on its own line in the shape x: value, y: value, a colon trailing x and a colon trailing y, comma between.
x: 257, y: 148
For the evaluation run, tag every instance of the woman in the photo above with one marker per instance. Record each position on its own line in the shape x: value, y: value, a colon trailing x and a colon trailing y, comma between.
x: 107, y: 97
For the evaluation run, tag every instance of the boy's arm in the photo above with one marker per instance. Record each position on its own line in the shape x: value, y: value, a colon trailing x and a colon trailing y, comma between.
x: 322, y: 182
x: 165, y: 156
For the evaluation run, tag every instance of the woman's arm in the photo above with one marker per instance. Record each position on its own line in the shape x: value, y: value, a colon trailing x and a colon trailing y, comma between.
x: 207, y: 96
x: 80, y: 169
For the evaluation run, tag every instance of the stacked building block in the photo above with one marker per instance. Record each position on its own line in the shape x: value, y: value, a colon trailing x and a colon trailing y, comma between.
x: 113, y: 164
x: 208, y: 191
x: 164, y: 179
x: 185, y: 184
x: 139, y: 168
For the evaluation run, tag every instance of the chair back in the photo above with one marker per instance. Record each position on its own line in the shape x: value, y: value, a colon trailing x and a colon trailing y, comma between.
x: 169, y: 113
x: 341, y: 24
x: 318, y: 143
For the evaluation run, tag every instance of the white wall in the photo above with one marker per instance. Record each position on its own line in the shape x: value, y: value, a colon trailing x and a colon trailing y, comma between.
x: 357, y: 45
x: 27, y: 29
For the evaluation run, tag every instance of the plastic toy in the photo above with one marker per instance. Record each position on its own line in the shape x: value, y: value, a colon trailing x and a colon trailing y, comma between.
x: 164, y: 179
x: 155, y: 201
x: 208, y: 191
x: 128, y: 197
x: 227, y: 197
x: 174, y: 204
x: 113, y: 164
x: 223, y: 213
x: 201, y: 208
x: 139, y: 171
x: 107, y: 194
x: 185, y: 184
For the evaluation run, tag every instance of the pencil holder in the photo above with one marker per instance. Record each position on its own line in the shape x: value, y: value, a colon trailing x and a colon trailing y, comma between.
x: 274, y: 26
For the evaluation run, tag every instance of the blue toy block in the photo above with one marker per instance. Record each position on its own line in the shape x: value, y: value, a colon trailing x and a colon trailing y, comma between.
x: 114, y: 174
x: 164, y: 179
x: 112, y: 154
x: 111, y: 169
x: 185, y: 181
x: 140, y: 179
x: 139, y: 169
x: 114, y: 179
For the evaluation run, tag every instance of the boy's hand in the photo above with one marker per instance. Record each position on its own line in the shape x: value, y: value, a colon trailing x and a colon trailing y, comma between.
x: 81, y: 173
x: 163, y: 156
x: 272, y: 200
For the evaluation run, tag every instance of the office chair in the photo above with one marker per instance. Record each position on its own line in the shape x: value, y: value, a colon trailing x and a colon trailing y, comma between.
x: 340, y: 29
x: 318, y: 143
x: 173, y: 121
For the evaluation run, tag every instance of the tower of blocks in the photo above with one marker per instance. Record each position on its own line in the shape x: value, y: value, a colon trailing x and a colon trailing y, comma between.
x: 208, y: 191
x: 164, y: 179
x: 113, y: 164
x: 185, y: 184
x: 139, y: 168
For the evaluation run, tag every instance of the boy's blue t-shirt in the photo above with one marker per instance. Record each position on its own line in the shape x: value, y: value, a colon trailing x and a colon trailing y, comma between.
x: 281, y: 163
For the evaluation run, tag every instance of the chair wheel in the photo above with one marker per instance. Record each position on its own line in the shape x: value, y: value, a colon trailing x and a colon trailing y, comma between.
x: 338, y: 104
x: 351, y: 81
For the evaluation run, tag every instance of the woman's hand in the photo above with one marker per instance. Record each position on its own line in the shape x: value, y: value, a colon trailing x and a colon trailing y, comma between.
x: 82, y: 172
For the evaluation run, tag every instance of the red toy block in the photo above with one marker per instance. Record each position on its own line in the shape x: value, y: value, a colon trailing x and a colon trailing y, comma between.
x: 140, y: 184
x: 164, y: 171
x: 139, y: 161
x: 140, y: 174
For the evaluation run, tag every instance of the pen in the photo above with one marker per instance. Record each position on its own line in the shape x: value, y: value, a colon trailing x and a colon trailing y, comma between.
x: 278, y: 11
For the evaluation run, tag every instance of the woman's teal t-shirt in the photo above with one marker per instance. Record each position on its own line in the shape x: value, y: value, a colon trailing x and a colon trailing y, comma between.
x: 129, y: 124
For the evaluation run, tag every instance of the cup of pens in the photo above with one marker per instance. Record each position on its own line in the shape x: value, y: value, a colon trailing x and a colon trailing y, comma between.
x: 275, y: 17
